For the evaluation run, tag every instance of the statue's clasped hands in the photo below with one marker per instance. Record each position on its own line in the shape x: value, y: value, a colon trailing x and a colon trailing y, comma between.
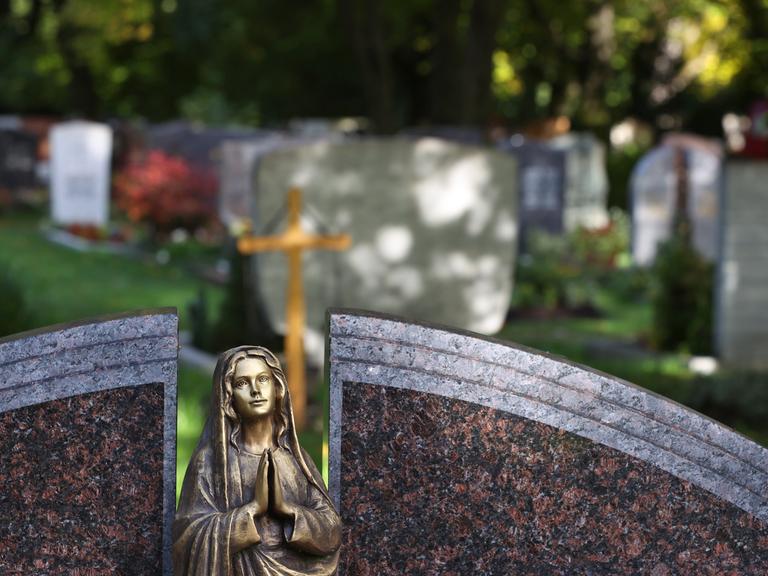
x: 268, y: 495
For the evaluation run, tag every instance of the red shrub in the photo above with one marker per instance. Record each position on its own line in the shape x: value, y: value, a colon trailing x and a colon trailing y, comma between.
x: 167, y: 192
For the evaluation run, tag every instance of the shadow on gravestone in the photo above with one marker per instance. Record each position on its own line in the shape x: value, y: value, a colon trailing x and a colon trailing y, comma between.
x: 451, y: 453
x: 88, y: 446
x: 433, y: 227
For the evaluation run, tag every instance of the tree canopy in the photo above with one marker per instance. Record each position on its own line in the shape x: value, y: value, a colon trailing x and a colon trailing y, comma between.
x: 670, y: 63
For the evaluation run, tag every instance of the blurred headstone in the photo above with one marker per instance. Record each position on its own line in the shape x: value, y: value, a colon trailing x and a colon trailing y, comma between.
x: 756, y: 138
x: 433, y: 226
x: 542, y: 186
x: 197, y: 144
x: 18, y: 160
x: 459, y: 134
x: 81, y: 154
x: 653, y: 192
x: 586, y: 180
x: 742, y: 293
x: 454, y: 454
x: 88, y: 446
x: 239, y: 160
x: 10, y: 122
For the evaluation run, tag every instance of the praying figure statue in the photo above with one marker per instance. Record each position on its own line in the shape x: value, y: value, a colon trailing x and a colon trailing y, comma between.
x: 253, y: 502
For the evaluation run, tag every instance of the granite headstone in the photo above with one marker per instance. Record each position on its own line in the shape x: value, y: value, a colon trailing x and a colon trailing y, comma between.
x: 742, y: 298
x: 653, y: 188
x: 456, y: 454
x: 433, y: 226
x: 88, y: 447
x: 81, y: 153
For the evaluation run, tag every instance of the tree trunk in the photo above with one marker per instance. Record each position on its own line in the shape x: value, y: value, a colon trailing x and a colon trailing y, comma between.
x: 445, y: 84
x: 485, y: 18
x: 367, y: 32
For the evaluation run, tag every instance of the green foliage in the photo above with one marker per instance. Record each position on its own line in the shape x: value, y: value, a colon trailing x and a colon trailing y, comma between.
x: 199, y: 322
x: 240, y: 319
x: 682, y: 298
x: 619, y: 165
x: 566, y: 272
x: 411, y: 61
x: 61, y: 285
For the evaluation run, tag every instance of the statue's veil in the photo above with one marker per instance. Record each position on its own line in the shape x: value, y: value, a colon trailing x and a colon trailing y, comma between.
x: 218, y: 430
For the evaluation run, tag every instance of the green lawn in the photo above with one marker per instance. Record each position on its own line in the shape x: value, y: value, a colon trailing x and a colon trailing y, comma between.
x: 61, y: 285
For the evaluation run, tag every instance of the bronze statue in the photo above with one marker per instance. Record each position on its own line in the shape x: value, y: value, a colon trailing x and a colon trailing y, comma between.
x: 253, y: 501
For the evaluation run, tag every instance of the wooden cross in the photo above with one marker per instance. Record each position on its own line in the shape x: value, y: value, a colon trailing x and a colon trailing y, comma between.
x: 293, y: 241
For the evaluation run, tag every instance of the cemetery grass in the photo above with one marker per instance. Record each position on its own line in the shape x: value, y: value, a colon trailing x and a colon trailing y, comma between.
x: 62, y: 285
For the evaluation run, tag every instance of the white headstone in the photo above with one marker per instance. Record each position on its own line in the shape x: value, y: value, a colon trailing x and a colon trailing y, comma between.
x: 433, y: 226
x: 742, y: 307
x: 80, y: 173
x: 654, y: 200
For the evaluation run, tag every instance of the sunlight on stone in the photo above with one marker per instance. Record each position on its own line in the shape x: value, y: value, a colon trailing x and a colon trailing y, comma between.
x: 506, y: 227
x: 394, y: 243
x: 407, y: 281
x: 447, y: 196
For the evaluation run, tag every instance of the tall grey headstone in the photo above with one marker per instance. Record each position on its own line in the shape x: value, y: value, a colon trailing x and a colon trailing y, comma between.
x: 654, y: 200
x: 433, y: 226
x: 81, y: 153
x: 456, y: 454
x: 88, y: 446
x: 742, y: 294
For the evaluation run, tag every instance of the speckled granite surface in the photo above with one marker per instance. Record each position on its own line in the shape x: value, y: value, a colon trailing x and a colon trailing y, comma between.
x: 64, y: 375
x: 433, y: 485
x: 534, y: 465
x: 81, y: 488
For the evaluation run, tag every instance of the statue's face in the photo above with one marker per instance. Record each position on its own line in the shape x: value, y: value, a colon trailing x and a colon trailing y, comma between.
x: 253, y: 389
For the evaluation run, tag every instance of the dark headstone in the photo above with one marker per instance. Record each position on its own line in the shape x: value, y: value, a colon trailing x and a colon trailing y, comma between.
x: 198, y: 145
x: 18, y: 159
x: 541, y: 173
x: 88, y: 447
x: 455, y: 454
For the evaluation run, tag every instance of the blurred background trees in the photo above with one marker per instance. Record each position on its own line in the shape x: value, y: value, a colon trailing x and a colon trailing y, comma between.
x: 667, y: 63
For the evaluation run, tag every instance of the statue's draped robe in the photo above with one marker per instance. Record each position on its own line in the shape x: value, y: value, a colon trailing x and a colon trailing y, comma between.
x: 210, y: 540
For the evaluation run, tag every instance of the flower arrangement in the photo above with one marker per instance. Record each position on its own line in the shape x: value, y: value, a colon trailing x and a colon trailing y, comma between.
x: 166, y: 192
